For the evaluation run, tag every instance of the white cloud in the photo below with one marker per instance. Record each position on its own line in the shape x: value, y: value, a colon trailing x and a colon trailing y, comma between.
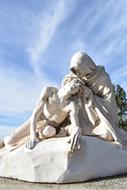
x: 20, y: 89
x: 49, y: 20
x: 105, y: 31
x: 114, y: 30
x: 35, y: 33
x: 19, y: 93
x: 102, y: 34
x: 20, y: 26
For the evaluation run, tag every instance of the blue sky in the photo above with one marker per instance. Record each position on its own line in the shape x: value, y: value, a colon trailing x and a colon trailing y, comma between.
x: 38, y: 38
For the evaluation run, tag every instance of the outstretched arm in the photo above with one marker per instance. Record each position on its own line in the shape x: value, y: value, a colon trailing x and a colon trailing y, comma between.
x: 75, y: 133
x: 34, y: 119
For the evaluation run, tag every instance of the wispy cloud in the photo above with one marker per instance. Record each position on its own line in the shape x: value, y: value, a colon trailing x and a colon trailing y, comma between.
x: 102, y: 29
x: 19, y: 92
x: 34, y: 35
x: 49, y: 20
x: 20, y: 88
x: 102, y: 33
x: 110, y: 38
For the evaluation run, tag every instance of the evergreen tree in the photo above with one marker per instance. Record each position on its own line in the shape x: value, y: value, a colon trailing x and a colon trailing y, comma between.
x: 121, y: 101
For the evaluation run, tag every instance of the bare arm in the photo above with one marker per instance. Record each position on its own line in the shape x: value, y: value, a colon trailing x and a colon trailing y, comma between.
x: 35, y: 116
x: 75, y: 133
x: 74, y: 114
x: 39, y: 108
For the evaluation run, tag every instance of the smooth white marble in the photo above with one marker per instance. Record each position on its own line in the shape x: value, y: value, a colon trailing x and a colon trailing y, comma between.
x: 51, y: 161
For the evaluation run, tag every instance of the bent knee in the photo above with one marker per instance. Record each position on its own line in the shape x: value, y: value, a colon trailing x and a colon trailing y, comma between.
x: 107, y: 136
x: 49, y: 131
x: 103, y: 133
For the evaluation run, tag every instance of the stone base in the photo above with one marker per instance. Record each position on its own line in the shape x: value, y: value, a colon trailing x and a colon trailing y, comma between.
x: 51, y: 162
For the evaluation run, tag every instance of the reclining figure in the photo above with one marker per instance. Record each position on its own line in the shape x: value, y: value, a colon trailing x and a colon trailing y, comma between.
x: 52, y: 109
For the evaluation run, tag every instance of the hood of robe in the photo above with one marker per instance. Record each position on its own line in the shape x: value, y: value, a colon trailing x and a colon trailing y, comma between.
x: 82, y: 65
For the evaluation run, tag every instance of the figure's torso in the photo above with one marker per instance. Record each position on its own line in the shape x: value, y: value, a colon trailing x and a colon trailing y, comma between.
x: 56, y: 112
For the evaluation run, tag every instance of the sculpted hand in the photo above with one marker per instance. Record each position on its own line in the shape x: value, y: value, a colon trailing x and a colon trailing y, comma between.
x: 31, y: 142
x: 75, y: 139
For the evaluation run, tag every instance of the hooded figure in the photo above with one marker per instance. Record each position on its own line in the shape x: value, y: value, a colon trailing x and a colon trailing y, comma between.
x: 100, y: 107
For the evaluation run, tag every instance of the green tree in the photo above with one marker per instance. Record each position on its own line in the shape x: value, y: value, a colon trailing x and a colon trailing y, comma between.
x: 121, y: 101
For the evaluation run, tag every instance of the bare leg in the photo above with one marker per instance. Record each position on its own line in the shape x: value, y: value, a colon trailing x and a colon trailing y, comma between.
x: 103, y: 133
x: 19, y: 133
x: 48, y: 132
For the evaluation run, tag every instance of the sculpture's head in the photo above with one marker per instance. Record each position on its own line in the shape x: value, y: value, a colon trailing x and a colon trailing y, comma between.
x: 49, y: 93
x: 82, y: 65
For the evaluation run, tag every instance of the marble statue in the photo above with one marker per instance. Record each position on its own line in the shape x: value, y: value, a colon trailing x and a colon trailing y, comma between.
x: 53, y: 107
x: 78, y: 118
x: 101, y: 109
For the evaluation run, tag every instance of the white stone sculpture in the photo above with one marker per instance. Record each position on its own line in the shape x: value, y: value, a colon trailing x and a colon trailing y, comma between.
x: 101, y: 107
x: 84, y: 106
x: 51, y: 110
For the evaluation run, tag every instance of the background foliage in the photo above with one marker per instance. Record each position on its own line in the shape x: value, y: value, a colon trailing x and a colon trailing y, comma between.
x: 121, y: 101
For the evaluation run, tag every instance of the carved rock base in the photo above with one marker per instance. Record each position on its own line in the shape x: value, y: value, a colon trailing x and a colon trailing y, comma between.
x: 51, y: 162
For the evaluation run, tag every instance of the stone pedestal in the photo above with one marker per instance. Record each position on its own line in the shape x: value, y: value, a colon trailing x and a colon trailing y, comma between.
x: 51, y: 162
